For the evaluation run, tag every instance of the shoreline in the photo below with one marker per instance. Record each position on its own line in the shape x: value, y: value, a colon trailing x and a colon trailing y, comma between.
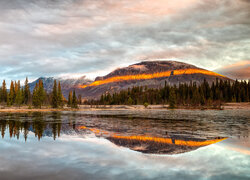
x: 226, y: 106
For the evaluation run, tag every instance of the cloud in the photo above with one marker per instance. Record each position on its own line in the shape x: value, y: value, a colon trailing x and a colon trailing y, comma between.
x: 239, y: 70
x: 53, y: 37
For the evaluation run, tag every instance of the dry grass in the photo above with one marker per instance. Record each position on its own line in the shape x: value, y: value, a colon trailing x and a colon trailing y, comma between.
x: 226, y: 106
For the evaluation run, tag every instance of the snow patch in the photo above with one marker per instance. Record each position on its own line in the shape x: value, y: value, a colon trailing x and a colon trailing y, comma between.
x: 138, y: 67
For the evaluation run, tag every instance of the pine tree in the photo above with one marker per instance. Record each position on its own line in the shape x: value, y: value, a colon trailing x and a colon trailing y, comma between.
x: 130, y: 101
x: 26, y: 92
x: 35, y: 98
x: 16, y: 89
x: 59, y: 95
x: 70, y: 99
x: 172, y: 98
x: 54, y: 96
x: 19, y: 95
x: 1, y: 95
x: 79, y: 99
x: 74, y: 100
x: 4, y: 92
x: 12, y: 94
x: 41, y: 93
x: 8, y: 100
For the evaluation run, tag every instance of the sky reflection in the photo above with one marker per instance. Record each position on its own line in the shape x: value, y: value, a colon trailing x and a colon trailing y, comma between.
x: 76, y: 157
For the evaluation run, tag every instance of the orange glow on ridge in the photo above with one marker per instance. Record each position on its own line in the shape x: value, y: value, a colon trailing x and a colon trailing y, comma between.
x: 150, y: 76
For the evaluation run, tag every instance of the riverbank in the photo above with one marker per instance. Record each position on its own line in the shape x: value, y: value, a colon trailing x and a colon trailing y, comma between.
x: 226, y: 106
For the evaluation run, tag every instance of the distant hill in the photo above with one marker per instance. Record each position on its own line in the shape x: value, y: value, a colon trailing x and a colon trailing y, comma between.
x: 152, y: 74
x: 147, y: 73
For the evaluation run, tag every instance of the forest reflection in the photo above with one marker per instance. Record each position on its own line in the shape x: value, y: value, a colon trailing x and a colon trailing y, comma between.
x: 53, y: 124
x: 16, y: 125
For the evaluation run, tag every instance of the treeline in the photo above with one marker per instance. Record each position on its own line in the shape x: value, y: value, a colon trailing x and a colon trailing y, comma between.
x: 18, y: 95
x: 190, y: 94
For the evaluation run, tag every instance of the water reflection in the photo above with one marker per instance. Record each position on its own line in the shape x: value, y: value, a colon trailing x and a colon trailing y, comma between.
x: 16, y: 124
x: 105, y: 145
x: 151, y: 144
x: 146, y: 137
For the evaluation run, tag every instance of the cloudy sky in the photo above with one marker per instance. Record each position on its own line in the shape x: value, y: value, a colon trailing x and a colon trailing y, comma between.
x: 93, y: 37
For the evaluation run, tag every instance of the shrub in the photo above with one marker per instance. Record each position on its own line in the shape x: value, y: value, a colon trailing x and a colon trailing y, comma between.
x: 145, y: 104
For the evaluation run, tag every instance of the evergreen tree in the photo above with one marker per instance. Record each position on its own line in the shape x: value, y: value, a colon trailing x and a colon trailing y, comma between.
x: 19, y: 95
x: 70, y: 99
x: 16, y: 89
x: 130, y: 101
x: 172, y: 98
x: 59, y: 95
x: 54, y: 96
x: 74, y: 100
x: 35, y: 98
x: 8, y: 100
x: 4, y: 92
x: 12, y: 94
x: 41, y: 93
x: 1, y: 96
x: 79, y: 99
x: 26, y: 91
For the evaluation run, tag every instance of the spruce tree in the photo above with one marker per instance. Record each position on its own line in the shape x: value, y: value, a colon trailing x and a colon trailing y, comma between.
x: 26, y: 91
x: 19, y: 96
x: 35, y: 97
x: 74, y: 100
x: 8, y: 100
x: 70, y: 99
x: 79, y: 99
x: 54, y: 96
x: 16, y: 89
x: 172, y: 99
x: 12, y: 94
x: 41, y: 93
x: 4, y: 92
x: 130, y: 101
x: 1, y: 95
x: 59, y: 95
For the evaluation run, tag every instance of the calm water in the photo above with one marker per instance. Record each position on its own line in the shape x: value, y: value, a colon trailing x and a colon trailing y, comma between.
x: 127, y: 144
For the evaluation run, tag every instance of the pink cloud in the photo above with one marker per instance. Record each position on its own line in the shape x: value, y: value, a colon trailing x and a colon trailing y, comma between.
x: 239, y: 70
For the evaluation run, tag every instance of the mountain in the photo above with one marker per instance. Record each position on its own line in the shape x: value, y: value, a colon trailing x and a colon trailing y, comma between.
x: 147, y: 73
x: 66, y: 84
x: 152, y: 74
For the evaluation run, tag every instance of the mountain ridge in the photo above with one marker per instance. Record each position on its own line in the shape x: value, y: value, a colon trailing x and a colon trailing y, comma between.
x: 152, y: 74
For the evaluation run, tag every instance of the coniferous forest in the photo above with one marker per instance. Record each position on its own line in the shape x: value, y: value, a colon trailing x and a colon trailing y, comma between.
x: 18, y: 95
x: 182, y: 95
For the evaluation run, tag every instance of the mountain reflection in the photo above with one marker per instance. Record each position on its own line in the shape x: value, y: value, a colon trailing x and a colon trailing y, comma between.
x: 52, y: 125
x: 151, y: 144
